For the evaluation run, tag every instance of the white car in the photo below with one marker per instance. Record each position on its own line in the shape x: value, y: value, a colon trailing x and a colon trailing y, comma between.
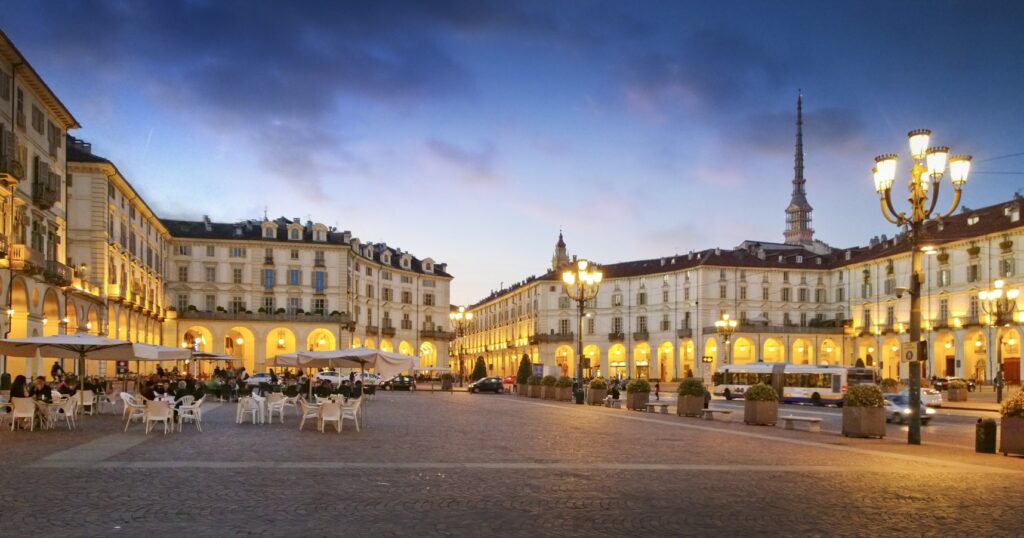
x: 256, y: 379
x: 336, y: 377
x: 929, y: 397
x: 333, y: 376
x: 897, y: 409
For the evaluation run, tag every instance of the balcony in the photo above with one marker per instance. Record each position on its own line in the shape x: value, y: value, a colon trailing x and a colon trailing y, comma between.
x: 116, y: 292
x: 319, y: 262
x: 26, y: 259
x: 57, y: 273
x: 684, y: 333
x: 268, y: 260
x: 436, y: 334
x: 387, y: 331
x: 340, y: 318
x: 783, y: 329
x: 616, y: 337
x: 641, y: 336
x: 11, y: 171
x: 372, y: 329
x: 3, y: 245
x: 46, y: 192
x: 551, y: 337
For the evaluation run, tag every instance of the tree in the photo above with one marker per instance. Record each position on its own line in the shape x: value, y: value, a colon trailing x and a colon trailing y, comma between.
x: 525, y: 371
x: 480, y: 370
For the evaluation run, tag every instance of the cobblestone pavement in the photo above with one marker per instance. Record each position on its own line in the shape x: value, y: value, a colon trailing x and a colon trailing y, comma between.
x: 473, y: 465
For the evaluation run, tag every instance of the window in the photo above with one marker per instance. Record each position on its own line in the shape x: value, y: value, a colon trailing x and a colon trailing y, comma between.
x: 237, y: 252
x: 764, y: 293
x: 785, y: 294
x: 386, y: 294
x: 369, y: 290
x: 294, y: 305
x: 617, y: 325
x: 943, y: 309
x: 407, y: 321
x: 211, y: 274
x: 641, y: 323
x: 686, y: 294
x: 428, y: 299
x: 236, y: 305
x: 972, y: 272
x: 866, y: 318
x: 295, y: 254
x: 785, y: 276
x: 385, y: 275
x: 721, y: 291
x: 617, y: 299
x: 406, y: 297
x: 1006, y: 267
x: 890, y: 316
x: 369, y: 271
x: 293, y: 234
x: 427, y: 283
x: 318, y: 258
x: 819, y: 295
x: 294, y: 277
x: 944, y: 277
x: 840, y: 295
x: 563, y: 326
x: 182, y: 301
x: 183, y: 250
x: 786, y: 320
x: 319, y: 305
x: 319, y: 281
x: 743, y: 274
x: 802, y: 295
x: 686, y: 320
x: 236, y: 276
x: 406, y: 279
x: 563, y: 302
x: 182, y: 273
x: 889, y: 286
x: 268, y: 233
x: 268, y: 304
x: 210, y: 303
x: 268, y: 278
x: 37, y: 119
x: 664, y: 296
x: 865, y: 290
x: 803, y: 319
x: 211, y: 251
x: 721, y: 274
x: 641, y: 298
x: 666, y: 324
x: 591, y: 325
x: 973, y: 308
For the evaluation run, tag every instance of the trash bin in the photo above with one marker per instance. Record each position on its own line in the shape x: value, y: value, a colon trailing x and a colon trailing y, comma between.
x: 579, y: 396
x: 985, y: 436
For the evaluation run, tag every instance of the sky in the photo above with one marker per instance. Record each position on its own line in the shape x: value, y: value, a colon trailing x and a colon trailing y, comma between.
x: 472, y: 132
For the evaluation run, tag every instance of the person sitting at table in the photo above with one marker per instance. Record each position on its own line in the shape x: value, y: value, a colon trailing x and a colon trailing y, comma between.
x: 345, y: 389
x: 229, y: 390
x: 18, y: 388
x: 68, y: 387
x: 357, y: 390
x: 324, y: 389
x: 40, y: 390
x: 147, y: 391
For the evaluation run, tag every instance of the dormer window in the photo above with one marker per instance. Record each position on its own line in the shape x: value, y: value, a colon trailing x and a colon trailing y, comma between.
x: 269, y: 233
x: 319, y: 235
x: 293, y: 234
x: 386, y: 259
x: 428, y: 267
x: 972, y: 220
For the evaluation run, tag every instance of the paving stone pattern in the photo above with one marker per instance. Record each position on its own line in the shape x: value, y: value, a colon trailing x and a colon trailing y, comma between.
x: 547, y: 470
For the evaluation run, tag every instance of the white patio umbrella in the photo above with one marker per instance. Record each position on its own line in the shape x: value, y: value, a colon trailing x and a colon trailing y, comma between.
x: 79, y: 346
x: 152, y: 352
x: 386, y: 363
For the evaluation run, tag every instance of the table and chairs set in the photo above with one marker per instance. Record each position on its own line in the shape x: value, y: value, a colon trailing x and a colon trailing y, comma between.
x: 335, y: 408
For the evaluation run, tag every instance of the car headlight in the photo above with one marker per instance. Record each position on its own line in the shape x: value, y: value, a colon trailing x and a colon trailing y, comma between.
x: 906, y: 411
x: 929, y: 411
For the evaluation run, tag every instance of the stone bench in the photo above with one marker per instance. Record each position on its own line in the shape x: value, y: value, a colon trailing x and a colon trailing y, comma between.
x: 709, y: 414
x: 813, y: 424
x: 662, y: 406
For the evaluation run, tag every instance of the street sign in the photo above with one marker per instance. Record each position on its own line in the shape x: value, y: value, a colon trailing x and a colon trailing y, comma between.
x: 912, y: 351
x: 707, y: 358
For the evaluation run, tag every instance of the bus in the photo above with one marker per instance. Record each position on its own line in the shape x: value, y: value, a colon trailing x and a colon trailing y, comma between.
x: 796, y: 383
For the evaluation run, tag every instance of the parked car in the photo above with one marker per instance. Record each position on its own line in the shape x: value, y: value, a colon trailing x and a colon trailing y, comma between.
x: 487, y: 384
x: 399, y: 382
x: 942, y: 383
x: 897, y: 409
x: 333, y: 376
x: 256, y: 379
x: 929, y: 397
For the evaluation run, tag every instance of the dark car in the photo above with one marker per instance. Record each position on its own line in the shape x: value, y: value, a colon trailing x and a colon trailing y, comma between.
x: 942, y: 383
x: 400, y: 382
x: 487, y: 384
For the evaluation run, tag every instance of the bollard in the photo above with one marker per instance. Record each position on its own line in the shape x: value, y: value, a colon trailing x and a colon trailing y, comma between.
x: 985, y: 436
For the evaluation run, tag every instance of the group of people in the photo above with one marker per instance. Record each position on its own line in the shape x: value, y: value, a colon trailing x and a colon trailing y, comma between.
x: 64, y: 384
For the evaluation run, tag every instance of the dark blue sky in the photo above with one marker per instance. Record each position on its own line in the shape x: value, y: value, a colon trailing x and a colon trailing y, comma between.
x: 471, y: 131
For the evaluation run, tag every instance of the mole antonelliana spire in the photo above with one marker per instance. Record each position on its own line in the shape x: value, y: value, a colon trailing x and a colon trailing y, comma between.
x: 798, y: 213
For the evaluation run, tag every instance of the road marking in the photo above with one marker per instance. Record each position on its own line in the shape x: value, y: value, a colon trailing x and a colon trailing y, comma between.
x: 841, y: 448
x: 503, y: 466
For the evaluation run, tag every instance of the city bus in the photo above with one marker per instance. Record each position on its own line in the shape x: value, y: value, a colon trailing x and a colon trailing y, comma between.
x: 796, y: 383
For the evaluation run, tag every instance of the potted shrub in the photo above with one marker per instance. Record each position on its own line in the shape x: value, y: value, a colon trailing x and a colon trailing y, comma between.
x: 638, y: 393
x: 597, y: 391
x: 957, y: 391
x: 563, y: 389
x: 1012, y: 439
x: 761, y: 405
x: 864, y: 412
x: 548, y: 383
x: 691, y: 397
x: 523, y: 376
x: 533, y: 383
x: 447, y: 380
x: 890, y: 386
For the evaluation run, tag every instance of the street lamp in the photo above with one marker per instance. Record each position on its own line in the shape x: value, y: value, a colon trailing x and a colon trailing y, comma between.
x: 725, y: 327
x: 460, y: 318
x: 1000, y: 305
x: 581, y: 281
x: 929, y: 165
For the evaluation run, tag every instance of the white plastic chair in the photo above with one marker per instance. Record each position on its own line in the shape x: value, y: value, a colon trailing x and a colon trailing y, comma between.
x: 330, y: 412
x: 293, y: 402
x: 261, y: 406
x: 351, y: 411
x: 275, y: 404
x: 308, y: 411
x: 104, y: 400
x: 67, y: 408
x: 247, y: 406
x: 192, y: 413
x: 132, y: 410
x: 157, y: 411
x: 24, y: 408
x: 87, y: 402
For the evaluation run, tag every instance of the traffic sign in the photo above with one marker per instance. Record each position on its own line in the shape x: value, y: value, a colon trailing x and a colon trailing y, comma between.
x: 912, y: 351
x: 707, y: 358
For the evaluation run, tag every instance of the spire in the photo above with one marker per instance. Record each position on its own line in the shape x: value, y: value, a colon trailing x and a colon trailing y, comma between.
x: 560, y: 257
x: 798, y: 213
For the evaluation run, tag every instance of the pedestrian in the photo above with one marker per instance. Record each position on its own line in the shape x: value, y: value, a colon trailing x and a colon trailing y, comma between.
x: 657, y: 389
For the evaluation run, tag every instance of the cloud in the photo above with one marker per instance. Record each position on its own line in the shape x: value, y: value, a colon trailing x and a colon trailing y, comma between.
x: 472, y: 165
x: 774, y: 133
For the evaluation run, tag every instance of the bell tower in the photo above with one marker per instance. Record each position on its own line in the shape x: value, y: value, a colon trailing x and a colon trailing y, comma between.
x: 559, y: 258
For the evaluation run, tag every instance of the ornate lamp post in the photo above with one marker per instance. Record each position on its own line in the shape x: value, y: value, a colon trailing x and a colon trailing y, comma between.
x: 725, y: 327
x: 459, y: 319
x: 1000, y: 305
x: 929, y: 165
x: 581, y: 281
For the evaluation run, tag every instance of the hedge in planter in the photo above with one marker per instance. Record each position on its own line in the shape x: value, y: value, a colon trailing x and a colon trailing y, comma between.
x: 691, y: 397
x: 533, y: 383
x: 864, y: 412
x: 523, y: 375
x: 1012, y: 439
x: 548, y: 382
x: 761, y: 405
x: 598, y: 391
x: 447, y: 380
x: 890, y: 385
x: 638, y: 393
x: 563, y: 389
x: 957, y: 391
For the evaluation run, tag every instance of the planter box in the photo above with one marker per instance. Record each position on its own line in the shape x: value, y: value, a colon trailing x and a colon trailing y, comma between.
x: 596, y: 396
x: 523, y: 390
x: 534, y: 391
x: 549, y: 392
x: 563, y: 394
x: 760, y: 413
x: 690, y: 406
x: 637, y: 401
x: 956, y: 395
x: 446, y: 385
x: 864, y: 422
x: 1011, y: 440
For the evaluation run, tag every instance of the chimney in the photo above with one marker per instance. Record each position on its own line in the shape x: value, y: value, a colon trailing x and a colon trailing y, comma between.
x: 207, y: 224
